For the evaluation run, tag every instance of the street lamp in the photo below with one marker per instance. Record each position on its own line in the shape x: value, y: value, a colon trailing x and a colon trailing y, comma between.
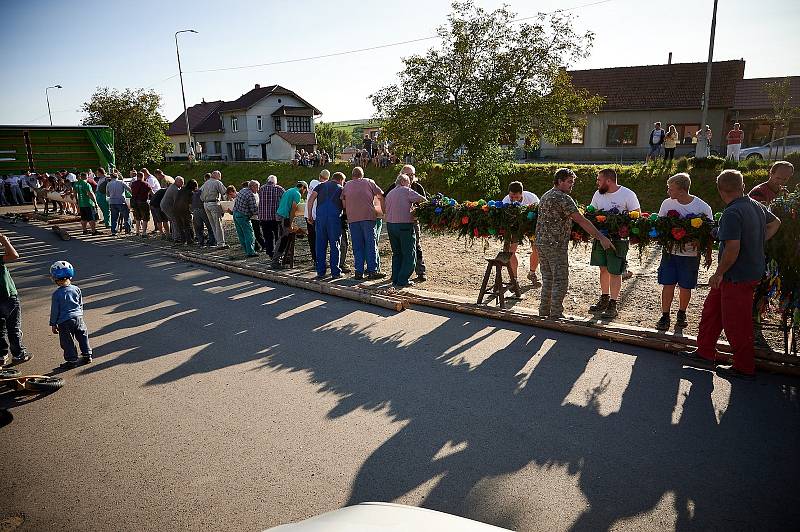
x: 183, y: 94
x: 702, y: 148
x: 47, y: 97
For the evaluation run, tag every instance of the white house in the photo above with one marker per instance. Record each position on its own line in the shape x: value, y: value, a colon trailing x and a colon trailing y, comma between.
x: 266, y: 123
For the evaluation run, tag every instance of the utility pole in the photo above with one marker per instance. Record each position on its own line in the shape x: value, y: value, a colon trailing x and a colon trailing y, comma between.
x: 702, y: 149
x: 189, y: 144
x: 47, y: 97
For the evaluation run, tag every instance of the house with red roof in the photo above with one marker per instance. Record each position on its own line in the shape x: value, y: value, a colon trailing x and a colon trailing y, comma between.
x: 265, y: 123
x: 636, y: 97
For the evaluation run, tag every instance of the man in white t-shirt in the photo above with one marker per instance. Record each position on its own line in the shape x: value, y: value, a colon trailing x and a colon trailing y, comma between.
x: 611, y: 197
x: 520, y: 196
x: 680, y: 267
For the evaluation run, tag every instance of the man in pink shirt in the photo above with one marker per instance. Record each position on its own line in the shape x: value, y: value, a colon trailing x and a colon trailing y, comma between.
x: 779, y: 174
x: 400, y: 225
x: 358, y: 199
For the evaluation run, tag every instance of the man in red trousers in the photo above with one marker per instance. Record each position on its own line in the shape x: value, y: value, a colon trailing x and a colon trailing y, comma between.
x: 743, y: 229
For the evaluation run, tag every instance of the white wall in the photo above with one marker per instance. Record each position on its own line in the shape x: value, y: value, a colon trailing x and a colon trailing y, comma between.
x: 279, y: 150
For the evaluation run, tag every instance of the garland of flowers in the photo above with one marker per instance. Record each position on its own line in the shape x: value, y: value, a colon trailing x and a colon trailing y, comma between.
x: 780, y: 288
x: 509, y: 222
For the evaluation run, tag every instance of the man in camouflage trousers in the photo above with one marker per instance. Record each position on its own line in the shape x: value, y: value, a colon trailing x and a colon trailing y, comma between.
x: 557, y: 211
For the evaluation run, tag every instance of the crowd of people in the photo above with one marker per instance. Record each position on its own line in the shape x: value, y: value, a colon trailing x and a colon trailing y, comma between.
x: 311, y: 159
x: 663, y: 143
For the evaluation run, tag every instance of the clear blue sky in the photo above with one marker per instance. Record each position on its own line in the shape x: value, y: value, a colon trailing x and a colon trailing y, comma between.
x: 84, y: 44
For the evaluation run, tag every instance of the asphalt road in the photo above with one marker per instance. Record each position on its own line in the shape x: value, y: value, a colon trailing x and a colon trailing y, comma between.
x: 223, y: 402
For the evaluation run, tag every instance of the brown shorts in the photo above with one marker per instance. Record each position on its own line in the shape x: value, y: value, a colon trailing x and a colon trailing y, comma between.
x: 141, y: 209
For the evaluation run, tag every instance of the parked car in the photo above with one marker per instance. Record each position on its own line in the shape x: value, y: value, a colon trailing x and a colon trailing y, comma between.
x: 762, y: 152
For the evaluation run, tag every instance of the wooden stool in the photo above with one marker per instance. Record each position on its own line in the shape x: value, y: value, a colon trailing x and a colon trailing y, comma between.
x: 288, y: 255
x: 499, y: 289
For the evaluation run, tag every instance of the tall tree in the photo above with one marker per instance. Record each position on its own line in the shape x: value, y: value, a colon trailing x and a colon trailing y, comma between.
x: 139, y: 128
x: 491, y: 79
x: 331, y: 139
x: 783, y: 112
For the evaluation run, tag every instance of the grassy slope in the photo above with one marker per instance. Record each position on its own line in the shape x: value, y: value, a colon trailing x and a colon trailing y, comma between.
x: 648, y: 183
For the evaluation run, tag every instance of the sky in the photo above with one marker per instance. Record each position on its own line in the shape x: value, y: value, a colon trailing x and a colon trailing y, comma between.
x: 85, y: 44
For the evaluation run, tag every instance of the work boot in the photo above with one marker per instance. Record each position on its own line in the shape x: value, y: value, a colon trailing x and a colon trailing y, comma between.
x: 680, y: 319
x: 610, y: 310
x: 601, y: 304
x: 663, y: 323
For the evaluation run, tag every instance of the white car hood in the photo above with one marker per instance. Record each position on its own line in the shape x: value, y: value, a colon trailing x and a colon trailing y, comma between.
x: 386, y: 517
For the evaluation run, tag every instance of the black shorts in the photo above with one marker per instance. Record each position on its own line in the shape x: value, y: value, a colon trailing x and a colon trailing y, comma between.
x: 142, y: 210
x: 158, y: 214
x: 88, y: 214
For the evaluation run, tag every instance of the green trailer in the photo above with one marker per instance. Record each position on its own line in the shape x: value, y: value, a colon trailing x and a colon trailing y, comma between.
x: 52, y: 148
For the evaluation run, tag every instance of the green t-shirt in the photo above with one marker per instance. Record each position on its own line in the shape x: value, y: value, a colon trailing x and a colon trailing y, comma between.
x: 285, y: 206
x: 82, y: 190
x: 7, y: 286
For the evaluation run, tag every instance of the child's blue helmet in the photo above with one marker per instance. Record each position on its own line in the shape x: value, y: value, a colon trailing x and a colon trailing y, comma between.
x: 62, y: 269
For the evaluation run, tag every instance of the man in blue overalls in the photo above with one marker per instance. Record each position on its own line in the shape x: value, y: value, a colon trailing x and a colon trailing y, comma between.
x: 328, y: 198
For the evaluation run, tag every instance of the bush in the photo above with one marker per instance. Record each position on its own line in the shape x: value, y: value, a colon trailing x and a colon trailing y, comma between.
x: 711, y: 162
x: 682, y: 165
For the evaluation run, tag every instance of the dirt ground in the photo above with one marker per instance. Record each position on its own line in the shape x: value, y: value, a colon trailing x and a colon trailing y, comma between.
x: 454, y: 267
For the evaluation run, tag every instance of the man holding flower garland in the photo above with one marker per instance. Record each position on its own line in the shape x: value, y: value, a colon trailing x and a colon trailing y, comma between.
x: 557, y: 211
x: 611, y: 197
x: 680, y: 267
x: 519, y: 196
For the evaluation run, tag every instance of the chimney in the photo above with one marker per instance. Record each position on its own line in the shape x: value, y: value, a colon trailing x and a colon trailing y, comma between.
x: 204, y: 100
x: 669, y: 60
x: 258, y: 86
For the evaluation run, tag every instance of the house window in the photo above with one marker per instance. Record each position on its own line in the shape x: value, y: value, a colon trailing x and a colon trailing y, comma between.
x: 238, y: 151
x: 234, y: 124
x: 622, y: 135
x: 217, y: 146
x: 259, y: 123
x: 298, y: 124
x: 277, y: 123
x: 686, y: 133
x: 182, y: 147
x: 577, y: 136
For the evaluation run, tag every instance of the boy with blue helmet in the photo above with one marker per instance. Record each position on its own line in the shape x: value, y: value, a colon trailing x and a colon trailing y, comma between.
x: 66, y: 315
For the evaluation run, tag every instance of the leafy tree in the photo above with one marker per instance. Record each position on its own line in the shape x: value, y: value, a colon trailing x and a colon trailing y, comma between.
x: 492, y: 79
x: 139, y: 128
x: 783, y: 112
x: 331, y: 139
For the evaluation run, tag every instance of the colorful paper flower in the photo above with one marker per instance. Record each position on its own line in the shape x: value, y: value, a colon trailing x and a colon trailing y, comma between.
x: 634, y: 214
x: 653, y: 233
x: 452, y: 202
x: 654, y: 217
x: 697, y: 222
x: 672, y: 213
x: 464, y: 220
x: 438, y: 210
x: 635, y: 230
x: 492, y: 231
x: 531, y: 215
x: 717, y: 216
x: 678, y: 232
x: 476, y: 232
x: 645, y: 215
x: 485, y: 208
x: 623, y: 231
x: 590, y: 208
x: 600, y: 218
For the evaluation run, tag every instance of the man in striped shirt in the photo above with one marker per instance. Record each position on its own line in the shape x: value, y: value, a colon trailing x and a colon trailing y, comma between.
x: 269, y: 196
x: 244, y: 206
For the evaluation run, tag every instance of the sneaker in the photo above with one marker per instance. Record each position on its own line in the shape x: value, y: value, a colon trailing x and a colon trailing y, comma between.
x: 695, y: 358
x: 421, y: 278
x: 534, y: 279
x: 69, y: 364
x: 86, y: 359
x: 358, y: 276
x: 373, y: 276
x: 5, y: 360
x: 336, y: 276
x: 663, y: 323
x: 601, y: 304
x: 680, y: 319
x: 730, y: 373
x: 20, y: 359
x: 610, y: 311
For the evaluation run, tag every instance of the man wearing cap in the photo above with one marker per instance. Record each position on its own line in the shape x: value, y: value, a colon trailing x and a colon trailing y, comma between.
x: 284, y: 214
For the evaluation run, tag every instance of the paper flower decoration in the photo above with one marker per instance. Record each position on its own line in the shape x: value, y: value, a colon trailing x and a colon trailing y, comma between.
x: 653, y: 233
x: 452, y: 202
x: 600, y: 218
x: 531, y: 215
x: 492, y: 231
x: 697, y: 222
x: 485, y: 208
x: 465, y: 220
x: 590, y: 208
x: 672, y: 213
x: 654, y: 217
x: 635, y: 230
x: 717, y: 216
x: 634, y: 214
x: 438, y: 210
x: 623, y: 231
x: 476, y: 232
x: 678, y: 232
